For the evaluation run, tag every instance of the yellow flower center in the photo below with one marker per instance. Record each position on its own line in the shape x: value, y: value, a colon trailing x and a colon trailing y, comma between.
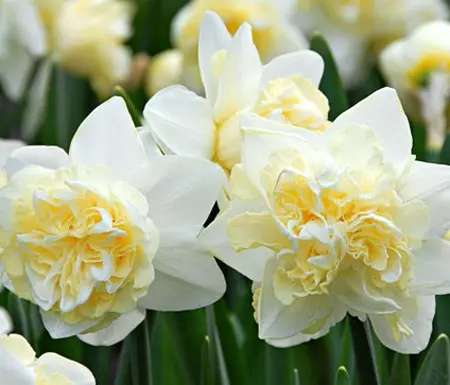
x: 261, y: 15
x: 80, y: 244
x: 294, y: 101
x: 433, y: 61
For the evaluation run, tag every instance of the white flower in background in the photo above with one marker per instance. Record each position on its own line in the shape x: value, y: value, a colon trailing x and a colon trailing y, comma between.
x: 285, y: 90
x: 358, y: 29
x: 96, y: 236
x: 343, y: 222
x: 86, y: 37
x: 5, y: 322
x: 19, y: 365
x: 22, y: 41
x: 7, y: 146
x: 419, y: 67
x: 273, y: 33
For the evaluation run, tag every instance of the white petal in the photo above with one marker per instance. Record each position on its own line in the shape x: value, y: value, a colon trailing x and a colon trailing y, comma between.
x: 57, y: 328
x: 383, y: 112
x: 13, y: 372
x: 50, y: 364
x: 259, y: 145
x: 432, y: 268
x: 240, y: 79
x: 182, y: 121
x: 337, y: 316
x: 50, y: 157
x: 418, y: 315
x: 181, y: 191
x: 148, y: 141
x: 35, y: 110
x: 186, y: 276
x: 213, y: 37
x: 28, y: 26
x: 280, y: 321
x: 108, y: 137
x: 5, y: 322
x: 251, y: 262
x: 308, y: 64
x: 117, y: 331
x: 7, y: 146
x: 15, y: 70
x: 430, y: 183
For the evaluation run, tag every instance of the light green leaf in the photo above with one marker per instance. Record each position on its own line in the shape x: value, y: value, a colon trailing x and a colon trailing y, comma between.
x: 435, y: 369
x: 342, y: 377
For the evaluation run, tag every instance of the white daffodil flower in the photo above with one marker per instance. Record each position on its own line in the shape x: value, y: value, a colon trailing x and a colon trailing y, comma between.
x: 235, y: 81
x: 273, y: 32
x: 96, y: 236
x: 22, y: 41
x: 19, y: 366
x: 419, y: 68
x: 358, y: 29
x: 343, y: 222
x: 86, y: 37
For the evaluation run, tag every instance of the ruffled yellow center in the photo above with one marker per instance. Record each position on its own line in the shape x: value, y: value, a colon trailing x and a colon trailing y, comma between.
x: 80, y: 245
x: 261, y: 15
x: 294, y: 101
x: 332, y: 227
x: 418, y: 75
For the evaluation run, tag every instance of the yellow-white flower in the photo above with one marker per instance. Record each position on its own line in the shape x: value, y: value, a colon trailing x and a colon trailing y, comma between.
x: 419, y: 67
x: 22, y: 40
x: 5, y: 322
x: 358, y: 29
x: 285, y: 90
x: 273, y: 32
x: 19, y: 365
x: 96, y: 236
x: 344, y: 222
x: 165, y: 69
x: 87, y: 37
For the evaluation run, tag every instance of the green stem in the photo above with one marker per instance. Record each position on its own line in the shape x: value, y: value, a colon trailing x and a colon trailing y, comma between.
x: 123, y: 368
x: 364, y: 353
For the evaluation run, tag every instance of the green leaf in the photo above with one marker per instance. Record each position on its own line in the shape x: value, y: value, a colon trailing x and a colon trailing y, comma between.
x: 123, y: 366
x: 134, y: 112
x: 207, y: 372
x: 296, y: 377
x: 401, y: 370
x: 18, y: 310
x: 98, y: 360
x: 342, y: 377
x: 435, y: 369
x: 331, y: 84
x: 444, y: 156
x: 233, y: 355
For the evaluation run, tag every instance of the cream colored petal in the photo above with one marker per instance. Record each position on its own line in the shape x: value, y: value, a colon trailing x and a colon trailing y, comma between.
x: 18, y: 347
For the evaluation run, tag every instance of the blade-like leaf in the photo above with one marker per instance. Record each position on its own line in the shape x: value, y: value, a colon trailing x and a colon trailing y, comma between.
x: 342, y: 377
x: 331, y: 84
x: 435, y: 368
x: 401, y: 370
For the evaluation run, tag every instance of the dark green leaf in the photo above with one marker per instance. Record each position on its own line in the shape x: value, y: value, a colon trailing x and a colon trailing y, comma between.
x: 435, y: 369
x: 444, y: 156
x: 207, y: 372
x: 401, y: 370
x: 18, y: 310
x: 331, y: 84
x: 134, y: 112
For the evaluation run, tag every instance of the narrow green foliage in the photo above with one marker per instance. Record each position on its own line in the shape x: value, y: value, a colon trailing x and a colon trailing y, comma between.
x: 342, y: 377
x: 18, y: 310
x: 444, y: 156
x: 132, y: 109
x: 331, y: 84
x: 296, y: 377
x: 435, y: 369
x: 401, y: 370
x: 123, y: 367
x: 207, y: 372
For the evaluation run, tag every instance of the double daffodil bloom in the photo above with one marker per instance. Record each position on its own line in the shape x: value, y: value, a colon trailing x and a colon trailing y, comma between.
x: 343, y: 222
x: 86, y: 37
x: 22, y: 41
x: 419, y: 68
x: 96, y: 236
x: 19, y: 365
x: 358, y: 29
x: 273, y: 32
x: 284, y: 90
